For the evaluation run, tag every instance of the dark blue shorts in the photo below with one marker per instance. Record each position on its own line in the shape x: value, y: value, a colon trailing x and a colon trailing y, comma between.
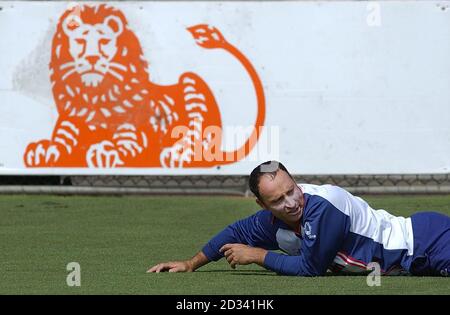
x: 431, y: 244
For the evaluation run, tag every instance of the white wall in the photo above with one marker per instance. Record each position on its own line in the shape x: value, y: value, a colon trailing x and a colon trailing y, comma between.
x: 351, y: 87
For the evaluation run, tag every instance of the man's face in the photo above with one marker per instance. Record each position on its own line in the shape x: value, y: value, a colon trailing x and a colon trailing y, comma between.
x: 281, y: 196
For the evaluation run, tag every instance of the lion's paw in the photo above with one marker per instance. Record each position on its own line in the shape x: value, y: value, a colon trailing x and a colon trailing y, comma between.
x: 176, y: 156
x: 42, y: 153
x: 103, y: 155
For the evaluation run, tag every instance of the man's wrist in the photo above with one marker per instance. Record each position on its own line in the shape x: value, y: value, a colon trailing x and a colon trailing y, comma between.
x: 260, y: 256
x: 191, y: 265
x: 197, y: 261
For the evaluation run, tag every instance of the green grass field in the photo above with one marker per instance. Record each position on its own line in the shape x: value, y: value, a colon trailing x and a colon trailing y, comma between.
x: 116, y: 239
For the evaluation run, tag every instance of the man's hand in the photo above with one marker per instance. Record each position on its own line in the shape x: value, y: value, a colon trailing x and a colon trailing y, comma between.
x: 239, y: 254
x: 182, y: 266
x: 173, y: 266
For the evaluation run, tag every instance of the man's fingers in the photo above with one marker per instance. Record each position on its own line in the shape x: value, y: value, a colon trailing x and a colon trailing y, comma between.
x: 230, y: 259
x: 228, y: 252
x: 225, y: 247
x: 161, y: 267
x: 153, y: 269
x: 233, y: 261
x: 173, y: 267
x: 167, y: 266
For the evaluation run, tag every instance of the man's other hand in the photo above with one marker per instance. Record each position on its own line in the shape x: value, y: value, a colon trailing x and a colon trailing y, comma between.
x: 240, y: 254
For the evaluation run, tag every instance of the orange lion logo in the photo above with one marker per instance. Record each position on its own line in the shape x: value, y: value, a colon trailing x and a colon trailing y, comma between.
x: 112, y: 115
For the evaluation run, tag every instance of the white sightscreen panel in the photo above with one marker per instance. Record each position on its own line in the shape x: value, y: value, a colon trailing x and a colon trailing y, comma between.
x: 350, y: 87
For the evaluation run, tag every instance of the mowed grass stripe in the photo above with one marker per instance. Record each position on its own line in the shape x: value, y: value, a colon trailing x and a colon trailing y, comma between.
x: 116, y: 239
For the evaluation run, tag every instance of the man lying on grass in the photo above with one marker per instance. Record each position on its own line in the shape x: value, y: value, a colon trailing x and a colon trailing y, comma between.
x: 324, y: 228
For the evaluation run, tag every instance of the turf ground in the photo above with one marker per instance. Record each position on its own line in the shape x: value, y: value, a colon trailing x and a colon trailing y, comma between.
x: 116, y: 239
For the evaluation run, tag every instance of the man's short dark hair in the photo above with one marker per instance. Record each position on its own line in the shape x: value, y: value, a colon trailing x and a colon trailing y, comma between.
x: 266, y: 168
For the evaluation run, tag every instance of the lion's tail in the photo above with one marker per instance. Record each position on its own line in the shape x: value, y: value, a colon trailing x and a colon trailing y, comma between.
x: 210, y: 38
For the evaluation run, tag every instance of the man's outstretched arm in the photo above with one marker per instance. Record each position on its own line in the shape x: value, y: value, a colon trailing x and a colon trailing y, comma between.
x: 256, y: 231
x: 182, y: 266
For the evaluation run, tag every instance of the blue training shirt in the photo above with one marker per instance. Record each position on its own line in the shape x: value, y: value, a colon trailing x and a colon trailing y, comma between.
x: 338, y: 232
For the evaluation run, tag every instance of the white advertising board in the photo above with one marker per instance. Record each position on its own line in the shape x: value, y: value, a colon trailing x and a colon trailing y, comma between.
x: 171, y: 87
